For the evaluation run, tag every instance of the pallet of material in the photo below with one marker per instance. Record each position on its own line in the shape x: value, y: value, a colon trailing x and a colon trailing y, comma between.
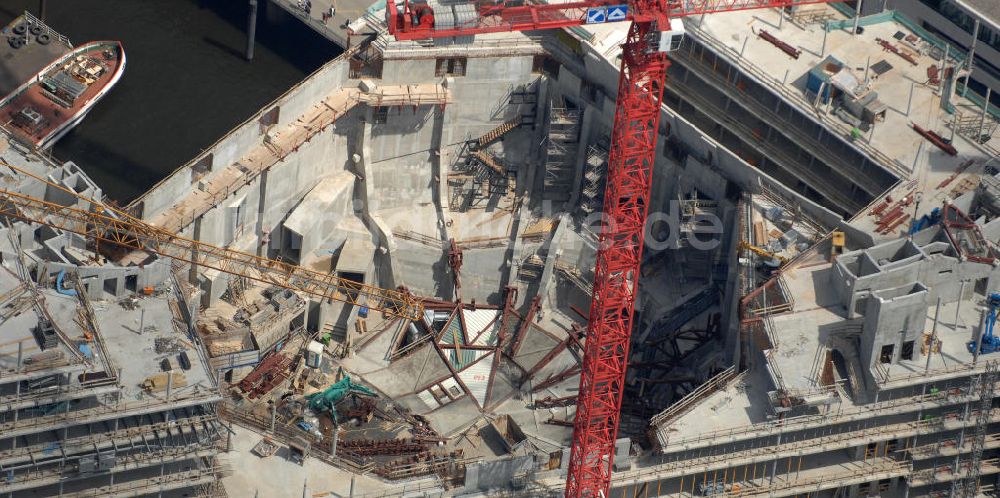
x: 265, y: 448
x: 222, y: 344
x: 158, y: 382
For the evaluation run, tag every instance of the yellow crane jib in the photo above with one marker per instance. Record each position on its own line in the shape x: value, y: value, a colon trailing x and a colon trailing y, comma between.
x: 762, y: 252
x: 117, y: 228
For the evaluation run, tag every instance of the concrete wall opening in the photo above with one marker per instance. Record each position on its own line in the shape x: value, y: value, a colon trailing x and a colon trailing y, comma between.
x: 907, y: 352
x: 545, y: 65
x: 450, y: 67
x: 111, y: 286
x: 131, y: 283
x: 201, y: 168
x: 269, y: 118
x: 352, y: 276
x: 885, y: 356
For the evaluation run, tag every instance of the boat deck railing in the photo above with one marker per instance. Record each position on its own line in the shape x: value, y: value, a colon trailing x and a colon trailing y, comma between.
x: 53, y: 34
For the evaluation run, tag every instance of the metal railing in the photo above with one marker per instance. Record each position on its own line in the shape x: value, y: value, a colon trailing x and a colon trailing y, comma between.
x: 772, y: 82
x: 803, y: 422
x: 688, y: 402
x: 55, y: 35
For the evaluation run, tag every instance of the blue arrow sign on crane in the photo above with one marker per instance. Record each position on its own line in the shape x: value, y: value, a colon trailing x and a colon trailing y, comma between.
x: 617, y: 13
x: 597, y: 15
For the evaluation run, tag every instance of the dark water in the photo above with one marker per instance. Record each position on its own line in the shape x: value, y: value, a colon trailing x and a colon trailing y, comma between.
x: 185, y: 84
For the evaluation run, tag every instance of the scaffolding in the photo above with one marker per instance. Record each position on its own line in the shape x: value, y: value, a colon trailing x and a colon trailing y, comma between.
x: 560, y: 152
x: 123, y: 436
x: 592, y: 188
x: 986, y: 387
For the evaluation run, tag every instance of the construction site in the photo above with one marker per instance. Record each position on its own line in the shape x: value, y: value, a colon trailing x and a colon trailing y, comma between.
x: 382, y: 283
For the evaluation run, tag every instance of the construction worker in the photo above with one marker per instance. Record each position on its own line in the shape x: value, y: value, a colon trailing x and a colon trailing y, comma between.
x: 327, y: 15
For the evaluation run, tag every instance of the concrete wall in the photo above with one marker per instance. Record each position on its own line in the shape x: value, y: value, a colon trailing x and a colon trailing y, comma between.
x: 230, y: 147
x: 401, y: 151
x: 720, y: 160
x: 893, y: 317
x: 268, y: 198
x: 101, y: 282
x: 406, y: 159
x: 324, y: 212
x: 498, y: 473
x: 926, y: 259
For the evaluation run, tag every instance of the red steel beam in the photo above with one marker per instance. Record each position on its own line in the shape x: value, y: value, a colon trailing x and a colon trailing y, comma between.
x: 553, y: 380
x: 536, y: 304
x: 416, y: 21
x: 551, y: 355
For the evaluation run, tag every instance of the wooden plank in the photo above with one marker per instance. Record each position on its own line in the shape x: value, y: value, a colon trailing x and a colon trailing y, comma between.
x: 759, y: 235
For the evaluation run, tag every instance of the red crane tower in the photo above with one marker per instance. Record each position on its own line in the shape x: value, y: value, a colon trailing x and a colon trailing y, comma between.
x: 626, y: 198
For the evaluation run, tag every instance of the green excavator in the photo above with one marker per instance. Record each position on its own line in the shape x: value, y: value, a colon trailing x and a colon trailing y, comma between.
x: 327, y: 400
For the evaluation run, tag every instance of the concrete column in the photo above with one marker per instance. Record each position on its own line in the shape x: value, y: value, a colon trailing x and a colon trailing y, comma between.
x: 979, y: 335
x: 930, y: 351
x: 193, y: 271
x: 333, y: 439
x: 970, y: 62
x: 41, y: 11
x: 944, y: 63
x: 581, y: 151
x: 274, y: 412
x: 986, y: 108
x: 774, y: 466
x: 909, y: 101
x: 261, y: 204
x: 251, y: 29
x: 857, y: 18
x: 958, y: 304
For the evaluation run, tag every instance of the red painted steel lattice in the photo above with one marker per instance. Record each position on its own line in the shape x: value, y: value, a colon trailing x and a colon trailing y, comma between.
x: 616, y: 273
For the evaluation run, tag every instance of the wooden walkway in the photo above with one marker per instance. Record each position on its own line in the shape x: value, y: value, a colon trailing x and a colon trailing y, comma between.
x: 276, y: 146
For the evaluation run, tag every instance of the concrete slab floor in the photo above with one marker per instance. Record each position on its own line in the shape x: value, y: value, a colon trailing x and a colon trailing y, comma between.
x: 741, y: 404
x: 133, y: 348
x: 278, y: 477
x: 904, y: 88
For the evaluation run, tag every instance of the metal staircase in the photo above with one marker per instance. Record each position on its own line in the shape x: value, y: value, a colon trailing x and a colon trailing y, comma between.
x: 489, y: 161
x: 498, y: 132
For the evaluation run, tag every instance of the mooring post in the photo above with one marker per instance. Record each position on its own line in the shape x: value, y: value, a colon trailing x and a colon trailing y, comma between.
x: 251, y: 29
